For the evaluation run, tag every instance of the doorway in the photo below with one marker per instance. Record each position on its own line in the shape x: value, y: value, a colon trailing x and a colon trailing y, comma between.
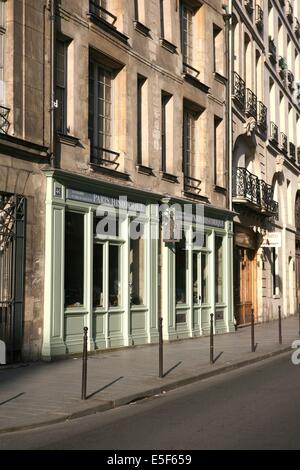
x: 245, y: 263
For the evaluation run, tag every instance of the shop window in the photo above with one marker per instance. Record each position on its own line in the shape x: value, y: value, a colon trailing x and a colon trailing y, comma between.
x: 114, y: 267
x: 219, y: 261
x: 98, y: 300
x: 275, y: 272
x: 137, y: 271
x: 106, y: 226
x: 204, y: 278
x: 181, y: 272
x: 196, y: 283
x: 74, y: 260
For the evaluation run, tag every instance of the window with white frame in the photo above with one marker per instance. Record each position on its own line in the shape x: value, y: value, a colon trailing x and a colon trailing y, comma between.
x: 219, y: 270
x: 137, y: 265
x: 181, y: 266
x: 74, y: 259
x: 187, y: 38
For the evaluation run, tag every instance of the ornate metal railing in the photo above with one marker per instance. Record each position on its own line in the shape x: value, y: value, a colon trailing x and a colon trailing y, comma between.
x: 239, y: 89
x: 101, y: 13
x: 262, y: 115
x: 104, y: 157
x: 292, y: 151
x: 251, y: 103
x: 298, y: 155
x: 297, y: 27
x: 267, y: 198
x: 274, y: 133
x: 246, y: 186
x: 4, y: 122
x: 192, y: 185
x: 291, y: 79
x: 188, y: 69
x: 259, y: 17
x: 249, y: 6
x: 289, y: 11
x: 284, y: 142
x: 272, y: 50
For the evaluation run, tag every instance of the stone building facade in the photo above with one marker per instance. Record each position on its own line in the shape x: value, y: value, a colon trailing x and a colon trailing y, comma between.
x: 107, y: 99
x: 265, y: 65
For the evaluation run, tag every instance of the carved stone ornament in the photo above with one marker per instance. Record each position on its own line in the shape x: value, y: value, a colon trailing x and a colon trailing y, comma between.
x: 279, y: 163
x: 250, y: 126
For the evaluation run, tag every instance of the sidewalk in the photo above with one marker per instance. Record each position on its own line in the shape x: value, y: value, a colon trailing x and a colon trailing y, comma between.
x: 44, y: 393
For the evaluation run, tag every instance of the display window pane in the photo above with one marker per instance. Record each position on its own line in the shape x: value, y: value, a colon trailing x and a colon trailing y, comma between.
x: 219, y: 255
x: 98, y: 300
x: 204, y: 278
x: 114, y: 276
x: 196, y: 294
x: 74, y: 260
x: 181, y: 272
x: 106, y: 226
x: 137, y: 271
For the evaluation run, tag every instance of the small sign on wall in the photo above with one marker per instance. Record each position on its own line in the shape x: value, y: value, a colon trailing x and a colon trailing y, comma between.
x: 272, y: 240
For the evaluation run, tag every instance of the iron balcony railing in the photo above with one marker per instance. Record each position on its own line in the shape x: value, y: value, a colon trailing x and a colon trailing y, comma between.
x: 292, y: 151
x: 104, y: 157
x: 246, y: 186
x: 192, y: 185
x: 289, y: 11
x: 189, y: 70
x: 249, y: 187
x: 101, y: 13
x: 259, y: 17
x: 251, y: 103
x: 239, y: 90
x: 298, y: 155
x: 291, y: 79
x: 297, y: 27
x: 272, y: 50
x: 274, y: 133
x: 249, y: 6
x: 262, y: 115
x: 284, y: 142
x: 4, y: 122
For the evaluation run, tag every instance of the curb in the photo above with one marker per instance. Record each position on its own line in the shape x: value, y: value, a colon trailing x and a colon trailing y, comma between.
x: 110, y: 405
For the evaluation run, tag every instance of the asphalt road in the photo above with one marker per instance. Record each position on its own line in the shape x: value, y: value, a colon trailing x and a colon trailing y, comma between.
x: 257, y: 407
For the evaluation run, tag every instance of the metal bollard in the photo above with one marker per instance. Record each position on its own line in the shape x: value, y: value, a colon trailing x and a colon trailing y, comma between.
x: 84, y: 363
x: 252, y: 331
x: 161, y: 351
x: 279, y: 325
x: 212, y: 338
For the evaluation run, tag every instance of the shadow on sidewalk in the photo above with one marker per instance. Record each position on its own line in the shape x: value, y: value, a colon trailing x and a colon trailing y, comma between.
x: 103, y: 388
x: 172, y: 368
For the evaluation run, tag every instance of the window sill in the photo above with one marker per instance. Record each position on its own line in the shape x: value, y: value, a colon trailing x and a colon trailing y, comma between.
x: 200, y: 197
x: 169, y: 177
x: 141, y: 28
x: 67, y: 139
x: 169, y: 46
x: 196, y: 82
x: 220, y: 78
x: 109, y: 171
x: 220, y: 189
x: 108, y: 27
x: 145, y: 170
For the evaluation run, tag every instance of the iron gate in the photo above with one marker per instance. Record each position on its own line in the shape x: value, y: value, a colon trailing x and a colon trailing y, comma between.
x: 12, y: 250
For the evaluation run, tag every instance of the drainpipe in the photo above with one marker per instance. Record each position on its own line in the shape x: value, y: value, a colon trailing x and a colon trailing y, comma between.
x: 52, y: 85
x: 229, y: 60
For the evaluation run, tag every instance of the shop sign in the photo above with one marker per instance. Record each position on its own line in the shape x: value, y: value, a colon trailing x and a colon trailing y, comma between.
x: 272, y: 240
x: 100, y: 200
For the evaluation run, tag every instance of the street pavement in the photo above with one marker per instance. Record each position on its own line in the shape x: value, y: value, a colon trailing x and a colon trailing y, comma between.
x: 256, y: 407
x: 44, y: 393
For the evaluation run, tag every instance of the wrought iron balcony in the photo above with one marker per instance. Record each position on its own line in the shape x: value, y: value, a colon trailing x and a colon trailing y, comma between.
x: 289, y: 11
x: 274, y: 133
x: 272, y: 50
x: 283, y: 143
x: 99, y: 12
x: 291, y: 80
x: 292, y: 151
x: 298, y: 155
x: 239, y: 90
x: 262, y: 115
x: 251, y: 103
x: 259, y: 17
x: 105, y: 158
x: 4, y: 122
x: 268, y: 205
x: 192, y: 185
x: 297, y: 27
x: 249, y: 6
x: 246, y: 186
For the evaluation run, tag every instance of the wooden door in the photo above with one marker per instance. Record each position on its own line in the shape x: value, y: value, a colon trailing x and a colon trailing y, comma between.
x: 244, y: 284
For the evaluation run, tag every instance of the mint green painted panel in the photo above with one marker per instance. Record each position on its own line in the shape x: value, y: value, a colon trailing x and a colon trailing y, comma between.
x: 138, y: 321
x: 115, y: 323
x: 196, y: 317
x: 58, y: 215
x: 74, y: 325
x: 99, y: 324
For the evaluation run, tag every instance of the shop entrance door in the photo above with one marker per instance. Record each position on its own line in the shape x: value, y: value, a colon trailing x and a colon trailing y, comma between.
x: 244, y: 284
